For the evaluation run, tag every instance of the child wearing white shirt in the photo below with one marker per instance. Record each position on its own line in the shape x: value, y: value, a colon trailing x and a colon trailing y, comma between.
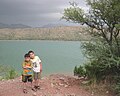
x: 37, y: 68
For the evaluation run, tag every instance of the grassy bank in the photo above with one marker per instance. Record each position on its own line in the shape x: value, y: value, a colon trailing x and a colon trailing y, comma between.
x: 71, y: 33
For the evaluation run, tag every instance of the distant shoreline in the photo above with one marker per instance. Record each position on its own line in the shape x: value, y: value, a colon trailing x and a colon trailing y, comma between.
x: 71, y: 33
x: 46, y: 40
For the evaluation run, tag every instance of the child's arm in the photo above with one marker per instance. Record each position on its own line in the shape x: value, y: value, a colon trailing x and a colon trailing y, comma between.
x: 28, y: 67
x: 40, y: 67
x: 40, y: 64
x: 23, y: 65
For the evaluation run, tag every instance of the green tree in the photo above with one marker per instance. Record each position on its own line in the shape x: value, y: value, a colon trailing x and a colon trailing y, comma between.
x: 103, y: 52
x: 103, y: 15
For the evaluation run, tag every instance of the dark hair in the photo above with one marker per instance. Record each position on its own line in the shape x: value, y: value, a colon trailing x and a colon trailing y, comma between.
x: 26, y: 55
x: 30, y: 52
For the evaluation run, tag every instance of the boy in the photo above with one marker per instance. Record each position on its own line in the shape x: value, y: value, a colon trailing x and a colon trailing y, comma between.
x: 37, y: 68
x: 27, y: 72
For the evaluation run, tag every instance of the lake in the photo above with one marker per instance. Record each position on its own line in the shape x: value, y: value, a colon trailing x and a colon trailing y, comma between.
x: 57, y: 56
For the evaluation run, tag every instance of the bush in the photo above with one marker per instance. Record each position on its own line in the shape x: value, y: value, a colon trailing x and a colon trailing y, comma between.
x: 79, y: 71
x: 103, y: 65
x: 117, y: 89
x: 11, y: 74
x: 7, y: 72
x: 75, y: 71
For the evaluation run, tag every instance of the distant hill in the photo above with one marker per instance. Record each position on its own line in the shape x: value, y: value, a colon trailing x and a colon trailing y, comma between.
x: 19, y: 26
x: 53, y: 25
x: 2, y: 25
x: 69, y: 33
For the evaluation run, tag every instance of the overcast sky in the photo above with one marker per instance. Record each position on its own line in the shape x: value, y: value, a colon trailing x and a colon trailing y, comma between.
x: 34, y: 12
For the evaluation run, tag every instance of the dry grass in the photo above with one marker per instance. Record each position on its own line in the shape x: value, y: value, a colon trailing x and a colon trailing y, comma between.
x: 56, y: 33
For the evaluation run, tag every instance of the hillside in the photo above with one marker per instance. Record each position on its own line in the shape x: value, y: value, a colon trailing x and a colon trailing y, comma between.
x: 2, y: 26
x: 53, y: 85
x: 56, y: 33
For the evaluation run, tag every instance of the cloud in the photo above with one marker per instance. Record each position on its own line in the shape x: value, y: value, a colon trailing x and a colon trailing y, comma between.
x: 33, y: 12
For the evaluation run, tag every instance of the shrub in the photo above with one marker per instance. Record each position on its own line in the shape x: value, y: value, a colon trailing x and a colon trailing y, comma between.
x: 79, y: 71
x: 11, y: 74
x: 7, y: 72
x: 75, y: 71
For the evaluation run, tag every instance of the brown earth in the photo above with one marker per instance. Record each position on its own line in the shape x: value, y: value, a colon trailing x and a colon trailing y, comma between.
x: 53, y: 85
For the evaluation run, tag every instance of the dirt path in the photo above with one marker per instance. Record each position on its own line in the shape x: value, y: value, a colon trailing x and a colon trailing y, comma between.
x: 54, y: 85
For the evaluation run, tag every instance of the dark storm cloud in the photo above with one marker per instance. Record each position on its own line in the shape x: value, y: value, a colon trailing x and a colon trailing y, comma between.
x: 33, y: 12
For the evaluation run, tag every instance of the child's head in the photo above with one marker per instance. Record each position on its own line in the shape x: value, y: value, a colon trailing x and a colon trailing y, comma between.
x: 32, y: 54
x: 27, y: 57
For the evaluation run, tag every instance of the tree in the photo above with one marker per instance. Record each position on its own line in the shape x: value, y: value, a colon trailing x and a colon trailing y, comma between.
x: 103, y: 15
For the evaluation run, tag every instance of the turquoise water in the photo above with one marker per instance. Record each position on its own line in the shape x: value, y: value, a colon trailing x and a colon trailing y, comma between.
x: 56, y: 56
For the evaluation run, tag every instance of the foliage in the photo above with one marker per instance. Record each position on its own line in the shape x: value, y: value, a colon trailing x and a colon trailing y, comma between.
x: 117, y: 89
x: 117, y: 86
x: 79, y: 71
x: 101, y: 58
x: 102, y: 62
x: 103, y: 16
x: 75, y: 71
x: 7, y: 72
x: 103, y: 53
x: 3, y: 71
x: 11, y: 74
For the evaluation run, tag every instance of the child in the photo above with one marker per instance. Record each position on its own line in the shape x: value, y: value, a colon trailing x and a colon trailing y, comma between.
x: 27, y: 72
x: 37, y: 68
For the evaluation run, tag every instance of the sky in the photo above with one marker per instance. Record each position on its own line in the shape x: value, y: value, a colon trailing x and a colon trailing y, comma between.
x: 35, y: 13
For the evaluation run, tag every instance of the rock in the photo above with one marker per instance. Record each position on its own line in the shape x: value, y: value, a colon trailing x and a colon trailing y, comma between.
x: 52, y: 85
x: 34, y: 94
x: 61, y: 78
x: 42, y: 88
x: 60, y: 84
x: 70, y: 94
x: 58, y: 94
x: 13, y: 80
x: 107, y: 92
x: 92, y: 93
x: 81, y: 77
x: 85, y: 82
x: 73, y: 94
x: 58, y: 88
x: 66, y: 86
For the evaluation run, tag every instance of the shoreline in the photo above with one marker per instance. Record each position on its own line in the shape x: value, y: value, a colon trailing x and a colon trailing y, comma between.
x: 59, y: 33
x: 44, y: 40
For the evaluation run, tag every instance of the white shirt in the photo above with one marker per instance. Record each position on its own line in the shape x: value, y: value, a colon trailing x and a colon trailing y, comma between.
x: 36, y: 64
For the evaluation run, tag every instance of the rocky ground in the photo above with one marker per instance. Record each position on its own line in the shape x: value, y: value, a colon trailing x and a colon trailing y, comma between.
x: 53, y: 85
